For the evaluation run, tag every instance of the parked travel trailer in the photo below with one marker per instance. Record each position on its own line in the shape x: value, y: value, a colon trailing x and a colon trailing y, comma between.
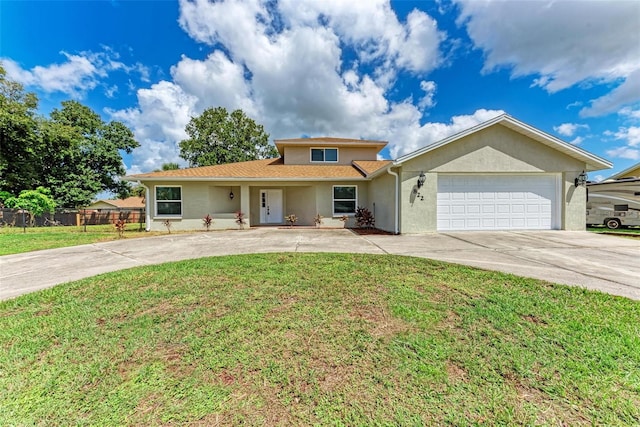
x: 614, y: 203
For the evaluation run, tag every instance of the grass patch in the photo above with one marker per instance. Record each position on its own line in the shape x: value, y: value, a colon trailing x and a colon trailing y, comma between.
x: 318, y: 339
x: 14, y: 240
x: 624, y: 231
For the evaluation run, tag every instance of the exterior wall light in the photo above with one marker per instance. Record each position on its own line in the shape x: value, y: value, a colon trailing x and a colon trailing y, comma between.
x: 581, y: 180
x: 421, y: 179
x: 231, y: 196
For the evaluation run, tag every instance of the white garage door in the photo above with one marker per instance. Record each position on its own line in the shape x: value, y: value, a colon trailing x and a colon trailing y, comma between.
x: 506, y: 202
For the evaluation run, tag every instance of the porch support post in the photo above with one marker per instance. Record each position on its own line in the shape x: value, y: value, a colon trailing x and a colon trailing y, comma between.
x: 245, y: 205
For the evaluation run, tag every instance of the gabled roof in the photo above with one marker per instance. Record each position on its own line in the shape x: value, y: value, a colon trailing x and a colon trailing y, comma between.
x: 633, y: 171
x: 266, y: 170
x: 593, y: 162
x: 371, y: 166
x: 129, y: 202
x: 327, y: 141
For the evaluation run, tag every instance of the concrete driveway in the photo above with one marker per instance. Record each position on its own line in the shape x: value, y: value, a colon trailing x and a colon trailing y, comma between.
x: 607, y: 263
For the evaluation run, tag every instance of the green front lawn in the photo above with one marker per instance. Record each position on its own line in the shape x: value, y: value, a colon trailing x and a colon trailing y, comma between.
x: 14, y: 240
x: 318, y: 339
x: 622, y: 230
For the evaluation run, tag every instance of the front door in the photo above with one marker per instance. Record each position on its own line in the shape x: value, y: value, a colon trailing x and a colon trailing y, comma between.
x: 271, y: 207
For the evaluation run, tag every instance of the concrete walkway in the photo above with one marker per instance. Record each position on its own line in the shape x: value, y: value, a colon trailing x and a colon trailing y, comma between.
x: 607, y: 263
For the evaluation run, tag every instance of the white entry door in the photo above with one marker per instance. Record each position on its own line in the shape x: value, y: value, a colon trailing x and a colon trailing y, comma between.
x: 271, y: 207
x: 514, y: 202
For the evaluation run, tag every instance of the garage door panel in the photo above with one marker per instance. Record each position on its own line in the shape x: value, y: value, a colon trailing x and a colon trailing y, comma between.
x: 496, y: 202
x: 473, y: 209
x: 458, y: 210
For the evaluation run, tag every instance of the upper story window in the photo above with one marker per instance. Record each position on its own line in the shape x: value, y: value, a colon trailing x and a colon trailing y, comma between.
x: 324, y: 154
x: 169, y: 200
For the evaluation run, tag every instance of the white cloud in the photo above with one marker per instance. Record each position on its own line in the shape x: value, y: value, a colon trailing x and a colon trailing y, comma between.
x: 215, y: 81
x: 562, y: 42
x: 407, y: 135
x: 247, y: 27
x: 624, y: 153
x: 577, y: 140
x: 111, y: 91
x: 630, y: 113
x: 429, y: 89
x: 158, y: 123
x: 569, y: 129
x: 630, y: 135
x: 76, y: 76
x: 283, y: 64
x: 627, y: 93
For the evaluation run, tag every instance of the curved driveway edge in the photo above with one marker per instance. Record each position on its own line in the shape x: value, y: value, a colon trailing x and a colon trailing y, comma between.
x: 607, y: 263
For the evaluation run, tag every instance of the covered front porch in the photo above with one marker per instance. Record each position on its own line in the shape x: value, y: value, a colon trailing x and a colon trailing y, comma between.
x: 262, y: 203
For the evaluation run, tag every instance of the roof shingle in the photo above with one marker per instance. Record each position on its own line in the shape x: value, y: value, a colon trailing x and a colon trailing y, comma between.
x: 270, y: 169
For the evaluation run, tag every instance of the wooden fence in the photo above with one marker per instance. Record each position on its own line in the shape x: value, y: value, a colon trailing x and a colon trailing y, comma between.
x: 81, y: 217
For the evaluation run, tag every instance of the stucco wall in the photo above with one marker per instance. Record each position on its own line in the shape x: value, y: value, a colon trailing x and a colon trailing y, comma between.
x: 493, y: 150
x: 297, y: 198
x: 198, y: 200
x: 418, y: 206
x: 302, y: 155
x: 324, y: 202
x: 573, y: 215
x: 382, y: 194
x: 304, y: 199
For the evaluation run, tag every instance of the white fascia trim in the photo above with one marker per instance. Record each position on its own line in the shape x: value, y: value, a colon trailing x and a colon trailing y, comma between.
x: 624, y: 172
x: 580, y: 154
x: 239, y: 180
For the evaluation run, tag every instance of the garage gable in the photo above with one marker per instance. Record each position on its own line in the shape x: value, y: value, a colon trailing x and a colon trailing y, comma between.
x: 499, y: 175
x: 502, y: 144
x: 494, y: 149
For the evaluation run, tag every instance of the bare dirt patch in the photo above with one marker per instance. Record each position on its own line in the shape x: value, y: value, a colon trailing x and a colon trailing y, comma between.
x: 456, y: 373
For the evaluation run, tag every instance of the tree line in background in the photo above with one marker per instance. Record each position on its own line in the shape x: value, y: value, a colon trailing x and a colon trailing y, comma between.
x: 70, y: 156
x: 73, y: 154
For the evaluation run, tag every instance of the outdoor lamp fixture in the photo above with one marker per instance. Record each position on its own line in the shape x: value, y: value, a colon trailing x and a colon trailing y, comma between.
x: 231, y: 196
x: 581, y: 180
x: 421, y: 179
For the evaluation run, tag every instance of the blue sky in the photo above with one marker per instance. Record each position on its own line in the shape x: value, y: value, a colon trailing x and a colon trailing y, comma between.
x: 407, y: 72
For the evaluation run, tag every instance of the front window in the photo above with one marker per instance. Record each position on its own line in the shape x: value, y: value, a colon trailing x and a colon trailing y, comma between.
x: 345, y: 199
x: 324, y: 155
x: 169, y: 201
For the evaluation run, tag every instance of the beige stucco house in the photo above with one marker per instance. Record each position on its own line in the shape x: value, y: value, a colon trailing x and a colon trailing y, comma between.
x: 499, y: 175
x: 123, y: 204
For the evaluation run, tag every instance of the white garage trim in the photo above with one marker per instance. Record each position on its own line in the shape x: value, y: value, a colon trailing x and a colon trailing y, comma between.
x: 498, y: 202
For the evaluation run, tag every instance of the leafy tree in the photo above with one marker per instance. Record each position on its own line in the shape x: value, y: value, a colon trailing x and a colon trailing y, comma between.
x: 137, y: 191
x: 168, y: 167
x: 36, y: 202
x: 18, y: 136
x: 74, y: 153
x: 4, y: 195
x: 217, y: 137
x: 83, y: 154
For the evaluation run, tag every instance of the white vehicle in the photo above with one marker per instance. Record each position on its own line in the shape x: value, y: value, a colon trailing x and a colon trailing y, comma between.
x: 614, y: 202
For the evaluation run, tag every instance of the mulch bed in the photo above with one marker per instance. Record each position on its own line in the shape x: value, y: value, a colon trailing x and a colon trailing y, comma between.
x: 369, y: 231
